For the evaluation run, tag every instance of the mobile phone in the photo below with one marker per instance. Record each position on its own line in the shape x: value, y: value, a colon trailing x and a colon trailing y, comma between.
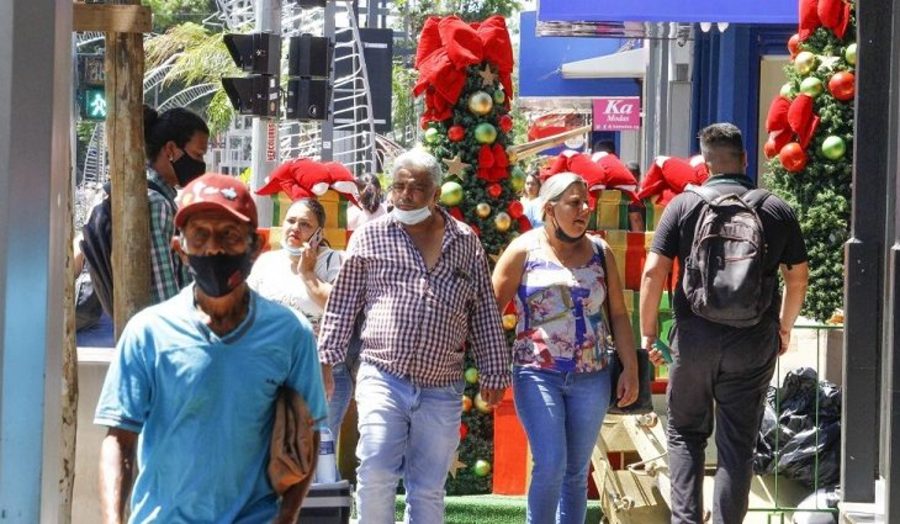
x: 664, y: 349
x: 315, y: 239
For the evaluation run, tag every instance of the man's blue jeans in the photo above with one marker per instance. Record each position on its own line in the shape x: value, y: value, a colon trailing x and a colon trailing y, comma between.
x: 404, y: 430
x: 561, y: 413
x: 340, y: 399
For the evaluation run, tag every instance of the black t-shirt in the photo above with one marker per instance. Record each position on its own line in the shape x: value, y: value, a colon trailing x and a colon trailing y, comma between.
x: 675, y: 235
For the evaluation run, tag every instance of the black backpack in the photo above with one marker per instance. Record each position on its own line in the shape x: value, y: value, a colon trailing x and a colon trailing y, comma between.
x: 724, y: 276
x: 96, y: 244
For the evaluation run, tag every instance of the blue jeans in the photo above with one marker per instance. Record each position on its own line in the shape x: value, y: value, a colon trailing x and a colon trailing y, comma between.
x: 561, y: 413
x: 340, y: 399
x: 404, y: 430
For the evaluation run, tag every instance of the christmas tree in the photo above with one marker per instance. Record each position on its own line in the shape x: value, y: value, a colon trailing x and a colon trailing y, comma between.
x: 810, y: 126
x: 465, y: 73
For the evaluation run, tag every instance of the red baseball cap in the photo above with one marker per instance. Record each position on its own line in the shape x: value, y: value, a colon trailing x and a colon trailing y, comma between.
x: 213, y: 191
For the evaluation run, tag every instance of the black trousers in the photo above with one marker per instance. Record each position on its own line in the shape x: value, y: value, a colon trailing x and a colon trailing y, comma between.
x: 720, y: 372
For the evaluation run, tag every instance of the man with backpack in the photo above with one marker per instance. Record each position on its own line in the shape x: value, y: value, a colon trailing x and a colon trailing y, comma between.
x: 730, y: 239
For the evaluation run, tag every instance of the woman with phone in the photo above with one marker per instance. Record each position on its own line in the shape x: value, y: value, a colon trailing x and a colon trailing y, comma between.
x: 299, y: 276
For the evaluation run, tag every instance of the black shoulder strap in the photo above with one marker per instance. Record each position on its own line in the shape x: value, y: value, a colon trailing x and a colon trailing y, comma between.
x: 708, y: 194
x: 755, y: 197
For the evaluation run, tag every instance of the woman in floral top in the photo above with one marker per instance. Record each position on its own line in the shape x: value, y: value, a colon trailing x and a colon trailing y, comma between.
x: 561, y: 280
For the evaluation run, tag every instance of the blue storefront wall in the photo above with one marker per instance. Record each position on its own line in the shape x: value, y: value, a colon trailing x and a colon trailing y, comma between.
x: 540, y: 59
x: 733, y: 11
x: 726, y: 74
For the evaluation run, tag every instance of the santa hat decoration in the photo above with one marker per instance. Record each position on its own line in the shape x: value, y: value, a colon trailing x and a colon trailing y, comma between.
x: 307, y: 178
x: 600, y: 171
x: 669, y: 176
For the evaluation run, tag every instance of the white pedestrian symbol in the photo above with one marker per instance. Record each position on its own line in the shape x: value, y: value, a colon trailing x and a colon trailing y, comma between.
x: 98, y: 105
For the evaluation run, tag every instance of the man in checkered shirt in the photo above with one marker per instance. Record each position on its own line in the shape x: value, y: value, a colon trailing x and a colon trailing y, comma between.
x: 421, y: 278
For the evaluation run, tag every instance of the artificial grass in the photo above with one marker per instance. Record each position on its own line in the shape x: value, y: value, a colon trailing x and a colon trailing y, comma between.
x: 491, y: 509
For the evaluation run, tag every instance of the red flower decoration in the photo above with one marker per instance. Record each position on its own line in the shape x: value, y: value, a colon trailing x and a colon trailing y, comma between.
x: 506, y: 123
x: 456, y: 213
x: 515, y: 209
x: 456, y: 133
x: 494, y: 190
x: 493, y: 163
x: 524, y: 224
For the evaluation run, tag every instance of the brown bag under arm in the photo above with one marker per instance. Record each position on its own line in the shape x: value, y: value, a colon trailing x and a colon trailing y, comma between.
x: 293, y: 450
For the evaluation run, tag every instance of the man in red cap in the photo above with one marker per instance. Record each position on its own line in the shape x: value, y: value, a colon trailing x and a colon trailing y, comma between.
x: 196, y: 378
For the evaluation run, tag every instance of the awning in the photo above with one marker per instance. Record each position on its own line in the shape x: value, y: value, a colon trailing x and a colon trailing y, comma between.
x: 686, y: 11
x: 627, y: 64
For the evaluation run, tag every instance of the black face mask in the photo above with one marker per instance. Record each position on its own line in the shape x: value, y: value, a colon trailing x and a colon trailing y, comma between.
x: 218, y: 275
x: 563, y: 236
x: 187, y: 169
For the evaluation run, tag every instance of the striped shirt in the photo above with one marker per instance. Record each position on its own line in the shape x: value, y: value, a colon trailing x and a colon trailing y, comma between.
x: 417, y: 322
x: 168, y: 275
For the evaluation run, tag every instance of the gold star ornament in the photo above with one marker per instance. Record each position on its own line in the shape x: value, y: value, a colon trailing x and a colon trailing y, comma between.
x: 457, y: 465
x: 488, y: 76
x: 456, y: 167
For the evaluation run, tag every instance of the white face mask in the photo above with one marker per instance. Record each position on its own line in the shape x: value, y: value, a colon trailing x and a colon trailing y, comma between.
x: 291, y: 250
x: 411, y: 218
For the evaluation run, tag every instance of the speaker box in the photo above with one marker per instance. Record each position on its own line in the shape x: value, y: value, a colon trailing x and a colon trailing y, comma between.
x: 308, y: 99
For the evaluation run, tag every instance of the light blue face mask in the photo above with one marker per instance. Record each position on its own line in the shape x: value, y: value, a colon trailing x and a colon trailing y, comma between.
x: 413, y: 217
x: 291, y: 250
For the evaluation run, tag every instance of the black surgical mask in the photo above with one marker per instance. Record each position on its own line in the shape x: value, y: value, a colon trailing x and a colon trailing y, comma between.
x: 563, y: 236
x: 187, y: 169
x: 218, y: 275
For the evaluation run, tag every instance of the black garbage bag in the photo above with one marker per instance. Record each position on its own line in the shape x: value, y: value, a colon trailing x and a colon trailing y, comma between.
x: 792, y: 441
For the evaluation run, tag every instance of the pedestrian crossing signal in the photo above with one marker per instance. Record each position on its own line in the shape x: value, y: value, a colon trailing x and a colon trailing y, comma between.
x: 93, y: 104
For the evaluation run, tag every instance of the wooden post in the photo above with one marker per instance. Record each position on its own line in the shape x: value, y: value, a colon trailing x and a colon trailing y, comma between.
x: 130, y: 208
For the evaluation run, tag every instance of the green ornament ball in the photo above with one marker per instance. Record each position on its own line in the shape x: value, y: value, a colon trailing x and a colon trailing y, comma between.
x: 805, y: 62
x: 472, y: 376
x: 432, y: 135
x: 480, y: 103
x: 787, y: 90
x: 517, y: 179
x: 451, y: 193
x: 499, y: 96
x: 850, y: 54
x: 485, y: 133
x: 812, y: 86
x: 482, y: 468
x: 834, y: 148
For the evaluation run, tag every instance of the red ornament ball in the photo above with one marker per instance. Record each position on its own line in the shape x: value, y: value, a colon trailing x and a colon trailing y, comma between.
x: 463, y: 430
x: 793, y: 157
x: 794, y: 45
x: 506, y: 123
x: 515, y: 209
x: 770, y: 148
x: 456, y: 133
x: 494, y: 190
x: 842, y: 86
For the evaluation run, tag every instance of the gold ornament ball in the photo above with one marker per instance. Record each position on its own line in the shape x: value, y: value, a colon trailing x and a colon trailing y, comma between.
x: 502, y: 222
x: 481, y: 405
x: 480, y: 103
x: 483, y: 210
x: 509, y: 322
x: 805, y: 62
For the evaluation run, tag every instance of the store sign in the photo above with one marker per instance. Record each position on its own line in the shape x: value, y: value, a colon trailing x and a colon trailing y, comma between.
x: 617, y: 113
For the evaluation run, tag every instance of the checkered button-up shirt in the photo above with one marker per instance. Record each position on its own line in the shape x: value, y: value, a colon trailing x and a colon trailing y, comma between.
x: 417, y: 322
x: 168, y: 275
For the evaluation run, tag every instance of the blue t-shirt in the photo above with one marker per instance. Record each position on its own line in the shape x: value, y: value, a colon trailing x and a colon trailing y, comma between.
x: 204, y: 406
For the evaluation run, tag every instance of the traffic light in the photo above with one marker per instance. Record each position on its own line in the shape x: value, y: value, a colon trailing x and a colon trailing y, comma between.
x: 309, y: 87
x: 91, y: 90
x: 259, y: 54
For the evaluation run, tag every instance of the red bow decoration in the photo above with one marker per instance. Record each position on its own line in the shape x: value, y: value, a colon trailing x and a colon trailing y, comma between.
x: 307, y: 178
x: 447, y: 46
x: 669, y: 176
x: 600, y: 171
x: 833, y: 14
x: 493, y: 163
x: 786, y: 119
